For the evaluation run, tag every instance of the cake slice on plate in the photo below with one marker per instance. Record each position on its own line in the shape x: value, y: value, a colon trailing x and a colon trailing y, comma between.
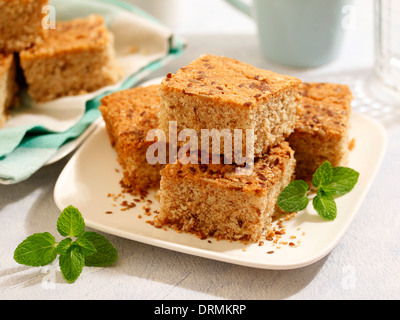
x: 322, y: 128
x: 213, y: 200
x: 129, y: 115
x: 77, y: 57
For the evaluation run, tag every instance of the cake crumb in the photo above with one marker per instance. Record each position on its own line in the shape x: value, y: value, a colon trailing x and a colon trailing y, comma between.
x: 352, y: 144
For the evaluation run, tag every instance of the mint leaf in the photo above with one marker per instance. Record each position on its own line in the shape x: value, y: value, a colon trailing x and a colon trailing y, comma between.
x: 344, y: 180
x: 325, y: 206
x: 90, y: 248
x: 328, y: 182
x: 71, y: 223
x: 87, y: 248
x: 294, y: 197
x: 64, y: 245
x: 106, y: 254
x: 72, y: 263
x: 323, y: 176
x: 326, y: 191
x: 37, y: 250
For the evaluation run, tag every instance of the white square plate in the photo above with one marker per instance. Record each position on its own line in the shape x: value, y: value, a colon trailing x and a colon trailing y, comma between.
x: 91, y: 175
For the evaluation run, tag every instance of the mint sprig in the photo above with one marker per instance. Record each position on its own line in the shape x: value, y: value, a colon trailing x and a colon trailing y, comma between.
x: 329, y: 183
x: 294, y: 197
x: 77, y: 250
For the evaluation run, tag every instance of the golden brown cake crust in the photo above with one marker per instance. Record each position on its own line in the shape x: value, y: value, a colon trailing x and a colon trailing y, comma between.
x: 322, y: 128
x: 77, y: 35
x: 5, y: 62
x: 228, y: 81
x: 21, y: 24
x: 325, y: 109
x: 129, y: 115
x: 8, y: 86
x: 263, y: 176
x: 132, y: 114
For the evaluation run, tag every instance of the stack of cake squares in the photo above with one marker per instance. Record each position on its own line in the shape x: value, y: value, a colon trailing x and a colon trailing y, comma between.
x: 217, y: 199
x: 53, y: 60
x: 289, y: 121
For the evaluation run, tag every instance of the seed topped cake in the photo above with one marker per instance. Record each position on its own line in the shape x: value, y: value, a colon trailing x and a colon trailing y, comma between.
x: 129, y: 115
x: 21, y: 24
x: 77, y: 57
x: 212, y: 200
x: 220, y: 93
x: 8, y: 85
x: 322, y: 128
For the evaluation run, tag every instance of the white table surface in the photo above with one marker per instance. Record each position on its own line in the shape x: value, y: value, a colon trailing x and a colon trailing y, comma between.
x: 364, y: 265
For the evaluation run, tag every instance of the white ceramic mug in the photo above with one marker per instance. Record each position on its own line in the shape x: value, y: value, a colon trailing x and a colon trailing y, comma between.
x: 169, y: 12
x: 299, y: 33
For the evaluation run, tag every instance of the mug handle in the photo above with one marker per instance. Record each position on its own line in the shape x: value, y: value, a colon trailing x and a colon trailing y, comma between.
x: 240, y: 5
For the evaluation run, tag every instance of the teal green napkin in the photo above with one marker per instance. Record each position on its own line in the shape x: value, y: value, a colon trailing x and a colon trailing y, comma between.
x: 33, y: 147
